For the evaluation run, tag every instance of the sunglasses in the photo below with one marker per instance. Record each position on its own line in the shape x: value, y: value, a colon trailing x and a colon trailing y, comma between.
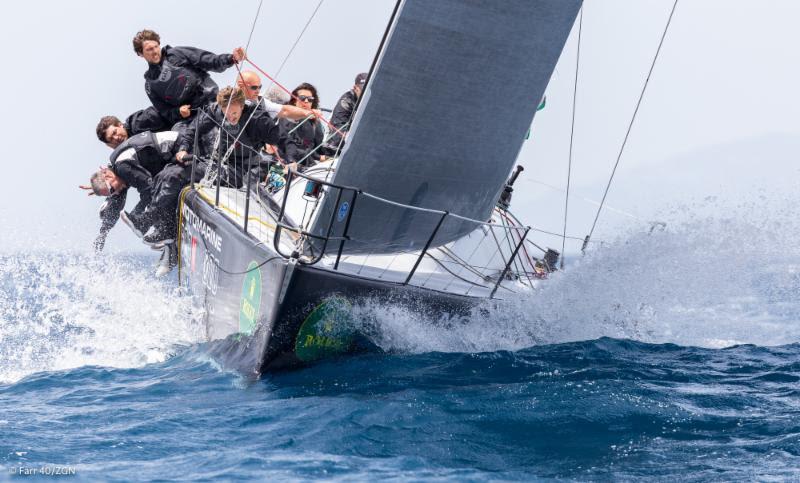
x: 306, y: 98
x: 110, y: 189
x: 255, y: 88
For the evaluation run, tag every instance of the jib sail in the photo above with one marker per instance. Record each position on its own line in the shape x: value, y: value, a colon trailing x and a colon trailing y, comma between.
x: 444, y: 116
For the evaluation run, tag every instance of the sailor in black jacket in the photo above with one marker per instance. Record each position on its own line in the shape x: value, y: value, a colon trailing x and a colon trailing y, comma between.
x: 343, y: 113
x: 177, y: 79
x: 300, y: 142
x: 243, y: 130
x: 138, y: 162
x: 112, y: 132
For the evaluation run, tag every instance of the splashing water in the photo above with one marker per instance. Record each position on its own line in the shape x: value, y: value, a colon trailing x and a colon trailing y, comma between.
x: 604, y: 409
x: 708, y: 282
x: 62, y: 311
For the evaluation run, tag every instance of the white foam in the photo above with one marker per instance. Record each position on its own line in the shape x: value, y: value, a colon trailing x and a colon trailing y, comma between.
x: 710, y: 280
x: 61, y: 311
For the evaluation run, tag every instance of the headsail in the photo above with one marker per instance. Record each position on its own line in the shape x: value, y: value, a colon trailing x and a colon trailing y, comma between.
x: 444, y: 116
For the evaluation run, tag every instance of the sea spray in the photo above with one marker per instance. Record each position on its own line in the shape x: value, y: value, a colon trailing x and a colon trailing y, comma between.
x: 59, y: 311
x: 708, y: 280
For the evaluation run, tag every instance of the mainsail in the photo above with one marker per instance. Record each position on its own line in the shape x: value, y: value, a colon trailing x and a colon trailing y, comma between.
x: 443, y: 118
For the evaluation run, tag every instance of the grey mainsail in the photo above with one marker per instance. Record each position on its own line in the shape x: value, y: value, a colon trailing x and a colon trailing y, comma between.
x: 443, y: 118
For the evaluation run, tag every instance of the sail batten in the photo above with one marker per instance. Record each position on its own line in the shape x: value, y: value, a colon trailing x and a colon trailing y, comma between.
x: 444, y: 115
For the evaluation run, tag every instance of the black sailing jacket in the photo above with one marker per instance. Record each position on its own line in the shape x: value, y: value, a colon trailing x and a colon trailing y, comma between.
x: 304, y: 139
x: 258, y: 126
x: 342, y: 116
x: 182, y: 78
x: 137, y: 161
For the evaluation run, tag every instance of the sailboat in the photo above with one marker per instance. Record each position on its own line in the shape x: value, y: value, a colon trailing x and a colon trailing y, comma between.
x: 414, y: 211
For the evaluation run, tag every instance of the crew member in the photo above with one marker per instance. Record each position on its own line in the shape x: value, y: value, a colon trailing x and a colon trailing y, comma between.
x: 343, y: 113
x: 250, y: 83
x: 177, y: 80
x: 243, y: 129
x: 112, y: 132
x: 300, y: 142
x: 143, y: 162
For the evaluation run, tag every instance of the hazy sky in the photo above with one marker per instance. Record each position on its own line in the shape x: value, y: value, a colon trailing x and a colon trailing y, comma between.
x: 728, y: 76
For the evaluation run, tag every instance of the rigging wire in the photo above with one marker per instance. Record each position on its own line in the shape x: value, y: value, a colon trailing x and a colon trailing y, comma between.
x: 572, y: 136
x: 588, y: 200
x: 297, y: 41
x: 246, y: 48
x: 253, y: 28
x: 282, y: 87
x: 273, y: 81
x: 630, y: 125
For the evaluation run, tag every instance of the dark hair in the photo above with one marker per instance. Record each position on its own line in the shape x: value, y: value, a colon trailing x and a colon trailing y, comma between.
x: 140, y: 37
x: 308, y: 87
x: 105, y: 123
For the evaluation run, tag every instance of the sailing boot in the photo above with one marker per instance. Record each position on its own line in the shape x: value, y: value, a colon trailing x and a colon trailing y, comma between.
x: 168, y: 260
x: 158, y: 236
x: 139, y: 223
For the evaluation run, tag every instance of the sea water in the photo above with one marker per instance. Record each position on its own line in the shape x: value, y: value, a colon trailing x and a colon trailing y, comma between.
x: 668, y: 355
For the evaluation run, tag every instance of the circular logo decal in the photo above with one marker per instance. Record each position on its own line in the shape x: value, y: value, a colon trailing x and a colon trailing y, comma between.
x: 328, y: 330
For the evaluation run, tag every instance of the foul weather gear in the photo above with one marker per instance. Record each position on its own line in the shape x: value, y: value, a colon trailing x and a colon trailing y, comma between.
x: 145, y: 120
x: 341, y: 117
x: 137, y: 161
x: 182, y: 78
x: 299, y: 139
x: 240, y: 142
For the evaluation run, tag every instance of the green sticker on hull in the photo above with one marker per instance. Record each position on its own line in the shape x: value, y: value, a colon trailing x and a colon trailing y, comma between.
x: 250, y: 304
x: 328, y: 330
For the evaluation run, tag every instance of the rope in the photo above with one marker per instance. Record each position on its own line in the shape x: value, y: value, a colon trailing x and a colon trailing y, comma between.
x: 572, y: 137
x: 209, y: 178
x: 560, y: 235
x: 322, y: 118
x: 181, y: 202
x: 630, y: 125
x: 253, y: 28
x: 531, y: 260
x: 249, y: 38
x: 441, y: 264
x: 596, y: 203
x: 297, y: 41
x: 238, y: 70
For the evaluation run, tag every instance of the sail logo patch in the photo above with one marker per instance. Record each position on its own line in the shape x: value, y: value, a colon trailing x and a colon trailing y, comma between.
x: 343, y: 209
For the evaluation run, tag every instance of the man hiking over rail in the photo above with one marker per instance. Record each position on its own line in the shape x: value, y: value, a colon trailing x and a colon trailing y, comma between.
x: 145, y: 163
x: 177, y: 80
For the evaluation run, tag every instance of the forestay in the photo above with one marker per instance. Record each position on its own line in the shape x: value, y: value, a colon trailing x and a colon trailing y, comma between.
x: 444, y: 116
